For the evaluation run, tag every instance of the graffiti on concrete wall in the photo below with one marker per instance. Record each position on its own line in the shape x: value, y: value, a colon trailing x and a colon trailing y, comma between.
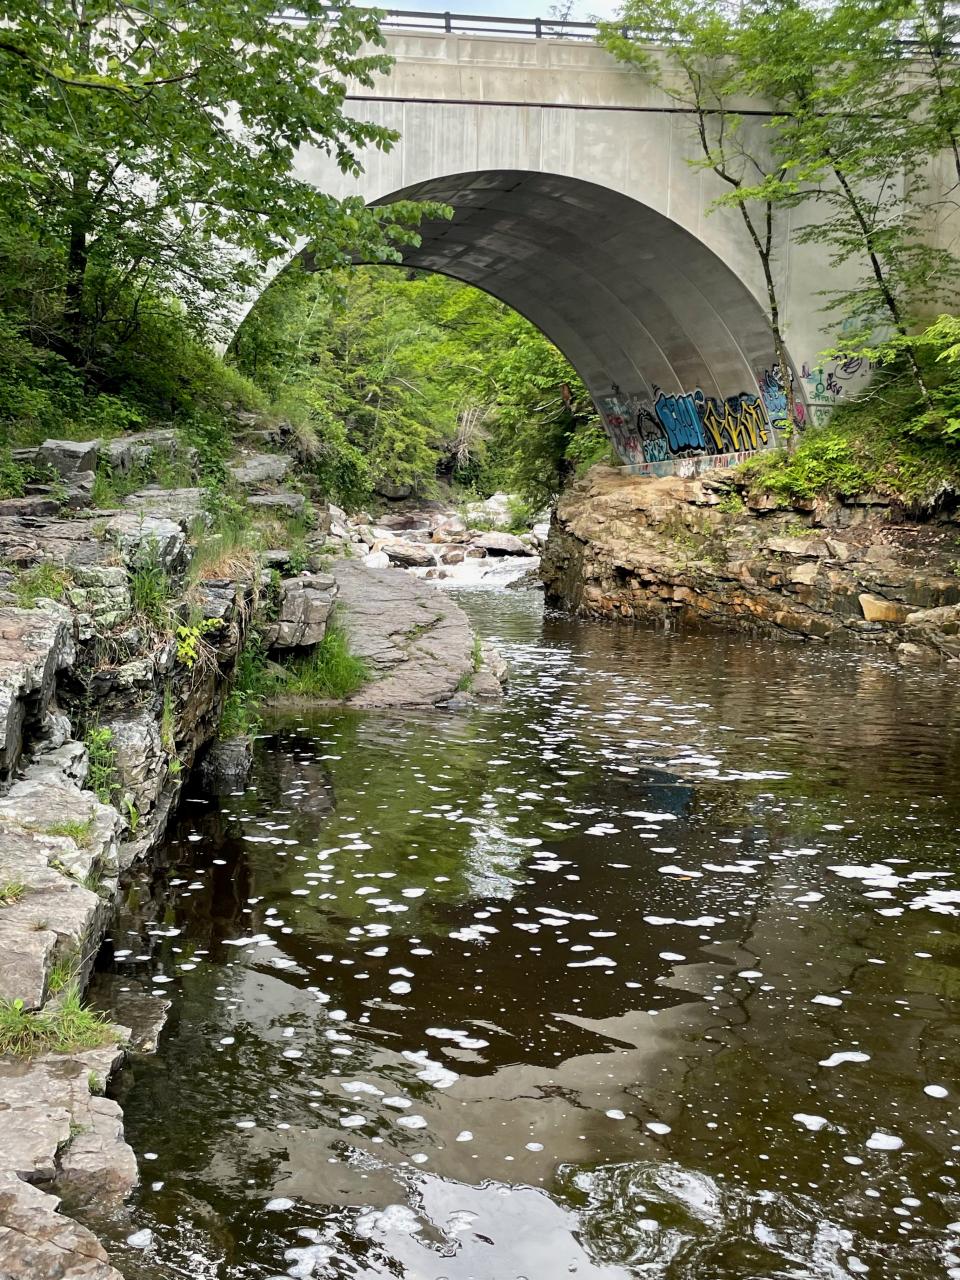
x: 691, y: 424
x: 774, y: 396
x: 826, y: 383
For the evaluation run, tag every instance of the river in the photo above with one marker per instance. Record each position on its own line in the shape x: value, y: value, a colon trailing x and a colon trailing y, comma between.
x: 649, y: 972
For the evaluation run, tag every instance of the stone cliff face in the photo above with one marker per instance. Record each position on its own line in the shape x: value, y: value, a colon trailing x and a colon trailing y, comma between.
x: 105, y: 707
x: 671, y: 552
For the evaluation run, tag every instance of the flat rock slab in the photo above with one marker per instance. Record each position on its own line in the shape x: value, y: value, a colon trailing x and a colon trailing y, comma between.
x: 259, y: 468
x: 416, y: 642
x: 182, y: 506
x: 285, y: 503
x: 38, y: 1243
x: 27, y: 540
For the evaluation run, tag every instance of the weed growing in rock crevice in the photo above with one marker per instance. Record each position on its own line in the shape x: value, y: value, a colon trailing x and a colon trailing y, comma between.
x: 66, y: 1027
x: 150, y: 587
x: 104, y: 778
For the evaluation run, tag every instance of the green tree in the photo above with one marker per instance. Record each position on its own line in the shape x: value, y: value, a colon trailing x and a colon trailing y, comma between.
x: 146, y: 149
x: 406, y: 376
x: 699, y: 66
x: 840, y: 80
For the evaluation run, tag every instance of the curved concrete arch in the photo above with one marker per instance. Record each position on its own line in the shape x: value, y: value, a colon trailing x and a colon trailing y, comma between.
x: 653, y: 306
x: 666, y: 337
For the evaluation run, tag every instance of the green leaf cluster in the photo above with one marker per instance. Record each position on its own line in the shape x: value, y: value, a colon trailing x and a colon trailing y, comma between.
x: 147, y: 174
x: 408, y: 379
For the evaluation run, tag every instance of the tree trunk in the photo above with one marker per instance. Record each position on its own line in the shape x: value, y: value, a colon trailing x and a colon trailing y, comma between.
x: 77, y: 260
x: 885, y: 291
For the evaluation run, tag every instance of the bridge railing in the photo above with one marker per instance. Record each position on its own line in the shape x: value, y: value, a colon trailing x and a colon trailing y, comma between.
x: 480, y: 24
x: 475, y: 24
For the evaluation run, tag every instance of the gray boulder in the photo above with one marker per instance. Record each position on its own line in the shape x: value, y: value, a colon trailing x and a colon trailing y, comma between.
x: 141, y: 538
x: 416, y: 642
x: 410, y: 555
x: 37, y: 1241
x: 503, y: 544
x: 305, y: 605
x: 34, y: 645
x: 140, y: 758
x: 67, y: 457
x: 127, y: 452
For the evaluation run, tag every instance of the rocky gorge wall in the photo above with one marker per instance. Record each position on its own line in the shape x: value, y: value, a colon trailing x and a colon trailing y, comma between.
x: 671, y: 552
x: 109, y: 696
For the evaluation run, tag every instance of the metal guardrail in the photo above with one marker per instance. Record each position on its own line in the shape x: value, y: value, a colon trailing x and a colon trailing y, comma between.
x: 479, y: 24
x: 475, y: 24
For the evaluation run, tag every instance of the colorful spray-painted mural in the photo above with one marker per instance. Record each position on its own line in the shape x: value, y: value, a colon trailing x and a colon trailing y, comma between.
x: 683, y: 432
x: 774, y: 396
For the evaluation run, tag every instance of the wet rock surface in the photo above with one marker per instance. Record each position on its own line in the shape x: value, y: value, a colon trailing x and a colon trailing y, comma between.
x: 38, y: 1243
x: 226, y: 765
x: 671, y: 550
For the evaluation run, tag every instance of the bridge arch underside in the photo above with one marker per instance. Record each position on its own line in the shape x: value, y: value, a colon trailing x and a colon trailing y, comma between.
x: 674, y: 348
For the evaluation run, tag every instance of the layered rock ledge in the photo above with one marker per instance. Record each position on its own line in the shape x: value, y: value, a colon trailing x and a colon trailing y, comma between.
x: 108, y: 698
x: 670, y: 551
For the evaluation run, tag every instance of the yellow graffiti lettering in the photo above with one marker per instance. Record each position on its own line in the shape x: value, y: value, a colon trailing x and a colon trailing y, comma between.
x: 714, y: 424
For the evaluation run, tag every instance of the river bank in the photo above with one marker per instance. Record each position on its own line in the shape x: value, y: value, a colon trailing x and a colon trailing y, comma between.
x: 120, y: 633
x: 674, y: 552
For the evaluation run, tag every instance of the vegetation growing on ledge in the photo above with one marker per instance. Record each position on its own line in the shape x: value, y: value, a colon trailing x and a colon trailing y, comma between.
x: 329, y: 671
x: 888, y: 440
x: 63, y: 1027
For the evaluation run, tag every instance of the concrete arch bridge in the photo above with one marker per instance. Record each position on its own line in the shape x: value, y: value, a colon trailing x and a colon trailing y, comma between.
x: 576, y: 204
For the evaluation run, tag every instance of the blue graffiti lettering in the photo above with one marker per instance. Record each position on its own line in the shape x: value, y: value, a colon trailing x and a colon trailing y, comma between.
x: 679, y: 418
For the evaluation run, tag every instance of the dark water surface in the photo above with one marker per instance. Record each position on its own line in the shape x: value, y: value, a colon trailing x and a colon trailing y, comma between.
x: 650, y: 972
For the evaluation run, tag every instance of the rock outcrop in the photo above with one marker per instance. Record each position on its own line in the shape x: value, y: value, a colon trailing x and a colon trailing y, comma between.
x: 672, y: 551
x: 417, y: 644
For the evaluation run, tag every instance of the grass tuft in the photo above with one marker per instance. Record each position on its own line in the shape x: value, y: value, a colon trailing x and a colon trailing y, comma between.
x: 44, y: 581
x: 64, y: 1028
x: 11, y: 891
x: 330, y: 671
x: 151, y: 588
x: 79, y: 832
